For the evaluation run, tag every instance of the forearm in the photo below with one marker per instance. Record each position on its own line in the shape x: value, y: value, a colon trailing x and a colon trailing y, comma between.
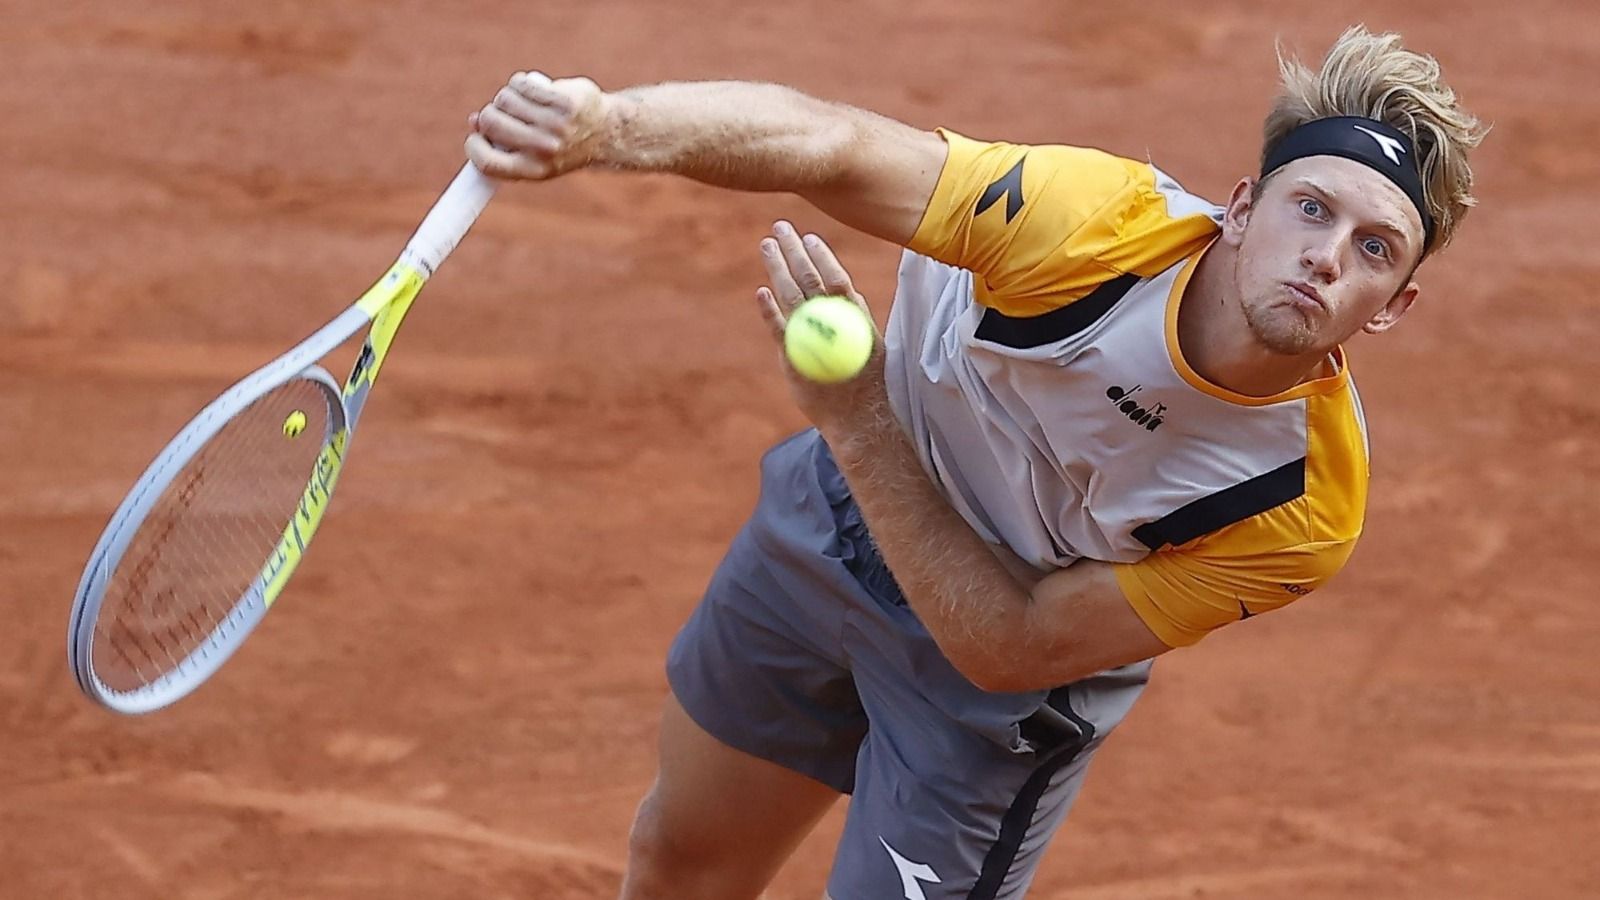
x: 980, y: 615
x: 1002, y: 623
x: 867, y: 171
x: 740, y: 135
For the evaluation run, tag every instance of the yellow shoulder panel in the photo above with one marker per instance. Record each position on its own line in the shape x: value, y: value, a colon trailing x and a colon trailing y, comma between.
x: 1270, y: 559
x: 1043, y: 226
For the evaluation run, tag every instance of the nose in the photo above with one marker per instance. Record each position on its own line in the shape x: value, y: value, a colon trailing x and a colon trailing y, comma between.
x: 1321, y: 258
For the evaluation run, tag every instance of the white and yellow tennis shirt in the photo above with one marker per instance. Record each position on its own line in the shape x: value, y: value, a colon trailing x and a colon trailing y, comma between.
x: 1033, y: 357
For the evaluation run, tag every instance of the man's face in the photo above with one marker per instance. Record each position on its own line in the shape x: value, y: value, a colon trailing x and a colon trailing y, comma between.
x: 1326, y: 250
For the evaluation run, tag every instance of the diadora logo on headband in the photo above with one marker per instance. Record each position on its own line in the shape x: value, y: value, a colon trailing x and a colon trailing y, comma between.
x: 1391, y: 147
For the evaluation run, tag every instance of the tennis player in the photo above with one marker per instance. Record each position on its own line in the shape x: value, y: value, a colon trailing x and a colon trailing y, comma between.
x: 1110, y: 418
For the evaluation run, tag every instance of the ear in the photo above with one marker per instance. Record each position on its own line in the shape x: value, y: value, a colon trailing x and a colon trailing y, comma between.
x: 1393, y: 310
x: 1237, y: 214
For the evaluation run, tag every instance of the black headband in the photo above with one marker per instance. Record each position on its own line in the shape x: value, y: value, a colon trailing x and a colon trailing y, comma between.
x: 1385, y: 150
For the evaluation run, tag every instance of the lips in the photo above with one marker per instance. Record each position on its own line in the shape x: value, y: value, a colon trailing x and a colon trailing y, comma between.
x: 1306, y: 296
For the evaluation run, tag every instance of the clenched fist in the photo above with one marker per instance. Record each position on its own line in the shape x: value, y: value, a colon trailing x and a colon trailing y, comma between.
x: 536, y: 128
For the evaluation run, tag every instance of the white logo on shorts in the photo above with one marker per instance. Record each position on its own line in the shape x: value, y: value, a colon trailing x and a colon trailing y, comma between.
x: 911, y: 873
x: 1391, y: 147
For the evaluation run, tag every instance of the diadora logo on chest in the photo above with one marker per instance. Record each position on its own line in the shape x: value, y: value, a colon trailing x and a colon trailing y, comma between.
x: 1139, y: 410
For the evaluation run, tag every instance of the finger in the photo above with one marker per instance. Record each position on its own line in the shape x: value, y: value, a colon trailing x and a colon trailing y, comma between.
x: 784, y: 287
x: 835, y: 280
x: 538, y: 88
x: 532, y: 78
x: 498, y: 163
x: 531, y: 112
x: 798, y: 260
x: 771, y: 313
x: 509, y: 133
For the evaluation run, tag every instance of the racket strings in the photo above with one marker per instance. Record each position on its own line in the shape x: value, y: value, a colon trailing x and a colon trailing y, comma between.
x: 204, y: 542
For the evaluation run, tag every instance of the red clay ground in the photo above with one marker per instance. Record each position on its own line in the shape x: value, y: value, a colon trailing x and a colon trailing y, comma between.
x: 458, y: 697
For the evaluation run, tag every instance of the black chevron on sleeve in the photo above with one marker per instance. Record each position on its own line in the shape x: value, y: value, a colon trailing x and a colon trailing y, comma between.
x: 1008, y: 186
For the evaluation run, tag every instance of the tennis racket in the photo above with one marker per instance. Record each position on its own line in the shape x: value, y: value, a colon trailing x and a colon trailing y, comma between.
x: 211, y: 532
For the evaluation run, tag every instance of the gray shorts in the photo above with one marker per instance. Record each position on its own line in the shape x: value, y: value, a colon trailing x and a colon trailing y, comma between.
x: 804, y: 652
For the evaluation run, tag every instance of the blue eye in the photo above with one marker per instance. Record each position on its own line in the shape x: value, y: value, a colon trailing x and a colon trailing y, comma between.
x: 1311, y: 207
x: 1376, y: 248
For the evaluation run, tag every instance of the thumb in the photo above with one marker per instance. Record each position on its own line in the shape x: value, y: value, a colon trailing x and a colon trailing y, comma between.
x: 569, y: 95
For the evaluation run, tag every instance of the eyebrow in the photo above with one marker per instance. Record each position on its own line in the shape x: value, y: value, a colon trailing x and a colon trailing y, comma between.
x: 1384, y: 223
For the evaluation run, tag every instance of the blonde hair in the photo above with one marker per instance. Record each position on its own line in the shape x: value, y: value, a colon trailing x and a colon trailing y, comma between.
x: 1372, y: 75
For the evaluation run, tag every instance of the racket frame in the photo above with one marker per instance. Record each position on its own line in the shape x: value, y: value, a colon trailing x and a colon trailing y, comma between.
x: 383, y: 307
x: 214, y: 650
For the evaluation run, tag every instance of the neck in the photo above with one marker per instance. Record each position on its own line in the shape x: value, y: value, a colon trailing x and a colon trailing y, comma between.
x: 1217, y: 342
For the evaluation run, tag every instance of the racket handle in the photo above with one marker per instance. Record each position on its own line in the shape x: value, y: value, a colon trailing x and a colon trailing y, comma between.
x: 447, y: 223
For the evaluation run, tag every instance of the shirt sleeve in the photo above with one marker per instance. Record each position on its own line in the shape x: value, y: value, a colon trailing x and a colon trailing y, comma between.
x: 1184, y: 594
x: 1043, y: 225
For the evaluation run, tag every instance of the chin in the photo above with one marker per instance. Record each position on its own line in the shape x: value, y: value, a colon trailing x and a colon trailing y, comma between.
x: 1292, y: 345
x: 1282, y: 331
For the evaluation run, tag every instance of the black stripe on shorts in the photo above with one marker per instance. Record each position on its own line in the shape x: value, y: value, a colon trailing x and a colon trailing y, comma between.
x: 1074, y: 733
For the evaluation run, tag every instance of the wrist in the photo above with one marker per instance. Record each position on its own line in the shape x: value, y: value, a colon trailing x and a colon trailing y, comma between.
x: 603, y: 143
x: 865, y: 434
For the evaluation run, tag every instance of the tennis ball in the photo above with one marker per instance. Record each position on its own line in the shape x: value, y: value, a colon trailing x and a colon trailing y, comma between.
x: 828, y: 339
x: 294, y: 424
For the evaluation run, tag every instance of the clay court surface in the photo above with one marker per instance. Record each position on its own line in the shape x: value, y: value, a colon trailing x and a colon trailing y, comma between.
x: 459, y: 694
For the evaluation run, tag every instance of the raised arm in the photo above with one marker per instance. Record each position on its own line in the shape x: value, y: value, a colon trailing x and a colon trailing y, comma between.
x: 864, y: 170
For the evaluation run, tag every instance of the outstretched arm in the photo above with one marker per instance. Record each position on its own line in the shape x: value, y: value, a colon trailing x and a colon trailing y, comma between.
x: 866, y: 171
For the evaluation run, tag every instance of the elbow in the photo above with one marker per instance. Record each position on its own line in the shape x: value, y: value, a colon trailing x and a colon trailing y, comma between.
x: 999, y: 683
x: 994, y: 676
x: 837, y: 147
x: 1019, y: 680
x: 833, y: 141
x: 1016, y: 671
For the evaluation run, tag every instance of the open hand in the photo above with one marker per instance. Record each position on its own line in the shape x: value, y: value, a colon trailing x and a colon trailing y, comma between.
x: 798, y: 269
